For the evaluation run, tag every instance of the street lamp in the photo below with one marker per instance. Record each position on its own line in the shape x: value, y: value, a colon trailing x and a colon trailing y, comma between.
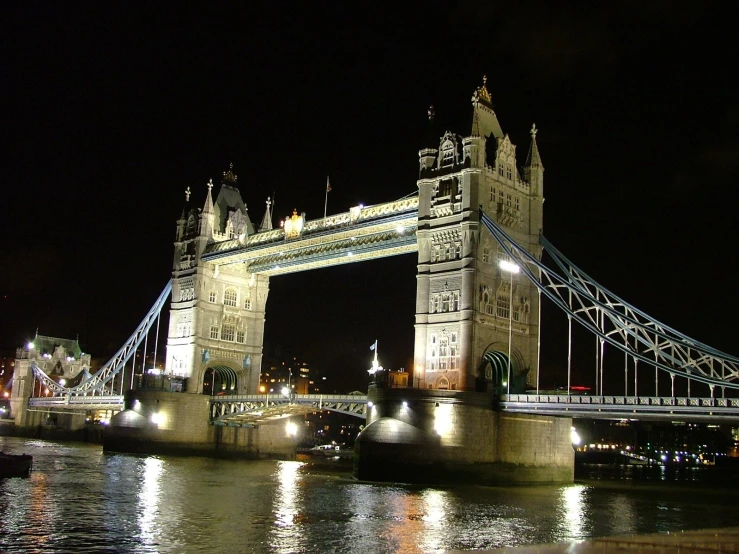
x: 512, y: 268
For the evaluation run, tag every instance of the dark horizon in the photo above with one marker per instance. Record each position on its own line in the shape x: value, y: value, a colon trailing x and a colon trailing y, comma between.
x: 112, y: 111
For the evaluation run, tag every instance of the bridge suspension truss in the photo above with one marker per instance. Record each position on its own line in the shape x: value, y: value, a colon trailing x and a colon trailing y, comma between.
x: 102, y: 382
x: 613, y: 321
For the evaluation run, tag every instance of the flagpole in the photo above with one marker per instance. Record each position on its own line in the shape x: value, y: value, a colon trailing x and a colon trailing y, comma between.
x: 325, y: 204
x: 375, y: 351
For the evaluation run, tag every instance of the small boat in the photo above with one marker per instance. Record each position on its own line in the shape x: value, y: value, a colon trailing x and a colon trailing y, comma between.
x: 15, y: 465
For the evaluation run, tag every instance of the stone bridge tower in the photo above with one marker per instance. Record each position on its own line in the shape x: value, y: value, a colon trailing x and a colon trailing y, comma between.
x: 216, y: 322
x: 463, y: 299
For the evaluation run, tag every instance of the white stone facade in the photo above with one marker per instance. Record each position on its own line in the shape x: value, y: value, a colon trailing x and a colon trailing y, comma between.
x: 217, y: 311
x: 463, y: 297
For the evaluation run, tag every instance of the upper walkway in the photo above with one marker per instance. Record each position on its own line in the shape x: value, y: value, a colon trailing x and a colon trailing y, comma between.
x: 362, y: 233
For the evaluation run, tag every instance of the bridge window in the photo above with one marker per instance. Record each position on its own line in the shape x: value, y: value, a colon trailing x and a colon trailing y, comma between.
x: 445, y: 187
x: 435, y: 254
x: 500, y: 196
x: 240, y: 336
x: 228, y: 332
x: 455, y: 301
x: 486, y: 255
x: 508, y: 172
x: 459, y: 250
x: 184, y: 329
x: 214, y: 332
x: 500, y: 168
x: 492, y: 194
x: 516, y: 313
x: 447, y: 250
x: 445, y: 303
x: 517, y: 201
x: 229, y: 297
x: 503, y: 307
x: 508, y: 200
x: 212, y: 296
x: 247, y: 304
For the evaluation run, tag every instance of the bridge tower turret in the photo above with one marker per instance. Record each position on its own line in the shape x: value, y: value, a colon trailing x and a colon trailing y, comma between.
x: 463, y: 298
x: 216, y: 322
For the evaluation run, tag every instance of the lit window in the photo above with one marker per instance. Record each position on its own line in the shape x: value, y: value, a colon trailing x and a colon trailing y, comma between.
x: 214, y: 332
x: 212, y: 297
x: 228, y: 332
x: 229, y: 297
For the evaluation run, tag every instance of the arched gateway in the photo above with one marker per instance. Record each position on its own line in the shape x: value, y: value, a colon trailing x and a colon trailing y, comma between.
x: 465, y: 300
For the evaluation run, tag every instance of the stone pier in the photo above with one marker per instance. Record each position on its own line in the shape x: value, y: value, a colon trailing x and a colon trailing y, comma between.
x: 157, y: 422
x: 436, y: 436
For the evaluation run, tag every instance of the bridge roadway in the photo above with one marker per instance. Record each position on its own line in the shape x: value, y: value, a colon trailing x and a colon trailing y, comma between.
x: 257, y: 409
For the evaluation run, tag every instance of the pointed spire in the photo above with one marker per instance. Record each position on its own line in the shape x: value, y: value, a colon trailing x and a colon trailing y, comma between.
x: 267, y: 219
x: 533, y: 159
x: 187, y: 202
x: 208, y: 209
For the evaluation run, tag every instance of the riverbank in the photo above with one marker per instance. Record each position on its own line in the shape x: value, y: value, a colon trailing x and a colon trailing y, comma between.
x: 93, y: 434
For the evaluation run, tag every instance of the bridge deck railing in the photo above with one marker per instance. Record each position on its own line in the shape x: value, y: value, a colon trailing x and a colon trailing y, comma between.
x: 623, y: 400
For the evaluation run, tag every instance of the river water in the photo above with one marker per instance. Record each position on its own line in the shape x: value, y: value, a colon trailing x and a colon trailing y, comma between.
x: 80, y: 499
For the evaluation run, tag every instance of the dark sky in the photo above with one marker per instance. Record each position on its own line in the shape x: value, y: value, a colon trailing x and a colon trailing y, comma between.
x: 110, y: 111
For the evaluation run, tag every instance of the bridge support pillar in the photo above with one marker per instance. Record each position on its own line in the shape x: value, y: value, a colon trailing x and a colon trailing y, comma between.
x: 158, y: 422
x: 438, y: 437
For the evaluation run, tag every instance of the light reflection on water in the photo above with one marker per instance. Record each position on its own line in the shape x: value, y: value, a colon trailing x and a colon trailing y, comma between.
x: 81, y: 500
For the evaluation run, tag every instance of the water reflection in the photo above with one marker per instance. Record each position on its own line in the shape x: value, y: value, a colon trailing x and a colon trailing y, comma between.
x: 287, y: 534
x: 115, y: 503
x: 572, y: 501
x: 148, y: 499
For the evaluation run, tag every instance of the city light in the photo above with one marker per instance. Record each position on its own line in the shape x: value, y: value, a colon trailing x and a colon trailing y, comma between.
x: 285, y: 391
x: 509, y: 267
x: 291, y: 429
x: 30, y: 346
x: 575, y: 437
x: 157, y: 418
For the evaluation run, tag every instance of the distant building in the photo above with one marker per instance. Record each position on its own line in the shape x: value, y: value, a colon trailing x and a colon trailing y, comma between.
x: 61, y: 359
x: 280, y: 370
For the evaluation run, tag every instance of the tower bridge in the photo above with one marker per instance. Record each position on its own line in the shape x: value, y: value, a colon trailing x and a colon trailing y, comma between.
x: 476, y: 226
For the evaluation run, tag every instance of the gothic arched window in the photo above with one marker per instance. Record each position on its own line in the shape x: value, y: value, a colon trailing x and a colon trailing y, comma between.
x: 229, y: 297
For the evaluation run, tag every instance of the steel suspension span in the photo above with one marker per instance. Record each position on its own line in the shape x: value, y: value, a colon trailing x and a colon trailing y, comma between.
x: 101, y: 382
x: 616, y: 322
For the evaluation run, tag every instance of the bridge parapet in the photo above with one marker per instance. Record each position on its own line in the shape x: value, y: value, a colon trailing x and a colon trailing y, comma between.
x: 666, y: 408
x: 248, y: 410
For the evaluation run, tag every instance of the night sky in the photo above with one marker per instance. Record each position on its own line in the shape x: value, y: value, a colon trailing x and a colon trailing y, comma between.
x: 110, y: 111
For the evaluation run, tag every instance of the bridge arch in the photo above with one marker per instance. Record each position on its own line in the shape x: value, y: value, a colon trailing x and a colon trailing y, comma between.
x: 493, y: 369
x: 220, y: 378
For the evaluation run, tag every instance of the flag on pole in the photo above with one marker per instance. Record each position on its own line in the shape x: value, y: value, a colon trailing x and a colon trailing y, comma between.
x: 374, y: 345
x: 328, y: 185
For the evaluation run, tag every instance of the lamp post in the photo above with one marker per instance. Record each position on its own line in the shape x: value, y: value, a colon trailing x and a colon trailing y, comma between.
x: 512, y: 268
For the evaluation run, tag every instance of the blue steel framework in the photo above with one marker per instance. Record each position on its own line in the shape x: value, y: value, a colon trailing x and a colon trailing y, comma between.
x: 614, y: 321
